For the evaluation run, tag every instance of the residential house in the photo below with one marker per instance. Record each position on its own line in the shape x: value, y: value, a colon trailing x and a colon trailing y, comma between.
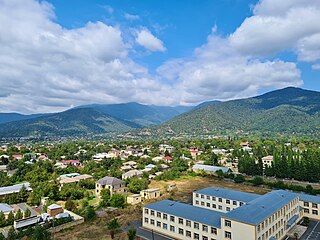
x: 114, y: 185
x: 14, y: 189
x: 132, y: 173
x: 73, y: 178
x: 75, y: 163
x: 54, y: 209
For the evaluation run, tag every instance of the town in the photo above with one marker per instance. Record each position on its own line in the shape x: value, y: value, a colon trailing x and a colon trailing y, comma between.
x: 160, y: 187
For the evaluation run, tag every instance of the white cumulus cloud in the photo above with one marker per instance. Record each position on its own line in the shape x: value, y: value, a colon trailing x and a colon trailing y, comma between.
x: 146, y: 39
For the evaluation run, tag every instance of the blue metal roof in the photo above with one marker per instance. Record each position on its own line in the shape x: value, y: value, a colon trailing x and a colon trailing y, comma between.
x: 210, y: 168
x: 229, y: 194
x: 201, y: 215
x: 259, y: 209
x: 14, y: 189
x: 309, y: 198
x: 292, y: 220
x: 5, y: 208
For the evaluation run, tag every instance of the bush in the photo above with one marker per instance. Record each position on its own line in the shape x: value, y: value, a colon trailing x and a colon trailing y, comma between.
x: 257, y: 181
x: 239, y: 179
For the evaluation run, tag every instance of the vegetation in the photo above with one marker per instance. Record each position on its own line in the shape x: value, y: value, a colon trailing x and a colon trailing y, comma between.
x: 113, y: 226
x: 131, y: 233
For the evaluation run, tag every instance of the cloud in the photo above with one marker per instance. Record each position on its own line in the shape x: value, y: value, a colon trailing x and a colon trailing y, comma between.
x: 278, y: 26
x: 44, y: 67
x: 149, y: 41
x: 316, y: 66
x: 108, y: 9
x: 131, y: 17
x: 217, y: 71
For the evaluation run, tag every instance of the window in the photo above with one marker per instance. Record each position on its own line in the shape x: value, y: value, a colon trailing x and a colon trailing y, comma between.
x: 165, y: 216
x: 202, y: 203
x: 208, y: 197
x: 227, y: 235
x: 204, y: 238
x: 152, y: 221
x: 188, y: 233
x: 306, y: 210
x: 227, y: 223
x: 202, y: 196
x: 205, y: 228
x: 196, y: 236
x: 227, y: 209
x: 220, y: 207
x: 152, y: 213
x: 146, y: 211
x: 315, y: 212
x: 214, y: 206
x: 196, y: 225
x: 306, y: 204
x: 314, y: 205
x: 234, y: 203
x: 146, y: 220
x: 214, y: 231
x: 220, y: 199
x: 180, y: 220
x: 165, y: 226
x: 159, y: 214
x: 172, y: 218
x: 213, y: 198
x: 208, y: 204
x: 228, y: 201
x: 197, y: 202
x: 241, y: 203
x: 158, y: 224
x: 188, y: 223
x: 171, y: 228
x: 181, y: 231
x: 197, y: 195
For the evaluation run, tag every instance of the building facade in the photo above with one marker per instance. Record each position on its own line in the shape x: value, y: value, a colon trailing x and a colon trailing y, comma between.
x: 221, y: 214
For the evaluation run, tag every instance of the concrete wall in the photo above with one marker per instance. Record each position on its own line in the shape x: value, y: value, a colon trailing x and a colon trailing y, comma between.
x: 311, y: 210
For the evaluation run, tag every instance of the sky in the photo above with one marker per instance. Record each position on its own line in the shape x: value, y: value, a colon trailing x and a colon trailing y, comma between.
x: 57, y: 54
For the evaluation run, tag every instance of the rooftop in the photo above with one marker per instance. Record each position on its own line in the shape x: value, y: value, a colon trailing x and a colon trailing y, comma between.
x: 204, y: 216
x: 229, y: 194
x: 109, y: 181
x: 309, y: 198
x: 5, y: 208
x: 54, y: 206
x: 261, y: 208
x: 14, y: 188
x: 210, y: 168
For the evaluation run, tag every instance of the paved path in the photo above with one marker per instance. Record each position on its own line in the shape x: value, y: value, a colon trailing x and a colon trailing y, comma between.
x: 313, y: 231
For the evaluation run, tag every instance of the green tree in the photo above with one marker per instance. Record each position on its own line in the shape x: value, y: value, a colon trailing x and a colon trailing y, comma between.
x: 2, y: 220
x: 2, y: 237
x: 70, y: 205
x: 105, y: 197
x: 135, y: 184
x: 12, y: 234
x: 27, y: 213
x: 257, y: 181
x: 117, y: 200
x: 40, y: 233
x: 10, y: 218
x: 239, y: 179
x: 131, y: 233
x: 19, y: 215
x: 89, y: 213
x: 113, y: 226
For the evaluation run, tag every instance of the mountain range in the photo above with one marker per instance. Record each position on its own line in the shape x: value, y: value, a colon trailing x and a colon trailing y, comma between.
x: 285, y: 111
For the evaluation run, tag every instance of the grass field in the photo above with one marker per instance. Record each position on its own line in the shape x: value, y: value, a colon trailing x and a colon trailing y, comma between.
x: 96, y: 230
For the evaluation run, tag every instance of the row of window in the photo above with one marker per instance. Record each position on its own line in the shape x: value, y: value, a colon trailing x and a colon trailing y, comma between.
x: 185, y: 232
x: 314, y: 212
x: 227, y: 201
x: 307, y: 204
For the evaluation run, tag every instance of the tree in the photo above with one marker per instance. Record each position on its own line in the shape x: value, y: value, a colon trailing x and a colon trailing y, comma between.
x: 89, y: 213
x: 113, y: 226
x: 40, y: 233
x: 2, y: 220
x: 239, y: 179
x: 10, y: 218
x: 136, y: 185
x: 131, y: 233
x: 70, y: 205
x: 2, y: 237
x: 305, y: 221
x: 19, y: 215
x: 257, y: 181
x: 11, y: 234
x: 27, y: 213
x: 105, y: 197
x: 117, y: 200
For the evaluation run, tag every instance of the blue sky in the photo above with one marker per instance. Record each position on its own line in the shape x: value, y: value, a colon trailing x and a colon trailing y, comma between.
x: 67, y: 53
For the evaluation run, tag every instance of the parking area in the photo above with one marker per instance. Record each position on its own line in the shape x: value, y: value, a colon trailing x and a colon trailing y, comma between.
x: 313, y: 231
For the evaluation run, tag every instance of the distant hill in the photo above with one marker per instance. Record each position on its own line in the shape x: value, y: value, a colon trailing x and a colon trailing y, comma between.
x: 74, y: 122
x: 10, y: 117
x: 286, y: 111
x: 207, y: 103
x: 143, y: 115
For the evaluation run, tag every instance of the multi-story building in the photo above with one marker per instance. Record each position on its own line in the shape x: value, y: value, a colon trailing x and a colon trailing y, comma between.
x: 114, y: 185
x: 221, y: 214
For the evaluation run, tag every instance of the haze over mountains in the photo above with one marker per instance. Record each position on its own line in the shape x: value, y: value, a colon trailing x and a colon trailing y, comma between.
x: 290, y: 110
